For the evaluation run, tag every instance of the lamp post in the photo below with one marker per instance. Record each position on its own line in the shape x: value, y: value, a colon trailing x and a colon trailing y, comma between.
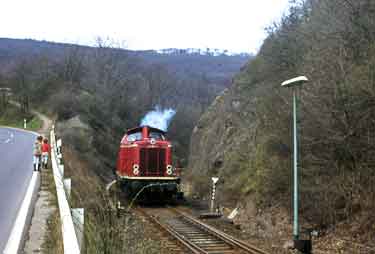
x: 294, y: 84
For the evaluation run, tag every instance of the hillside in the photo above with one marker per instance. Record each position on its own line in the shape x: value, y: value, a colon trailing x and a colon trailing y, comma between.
x: 245, y: 135
x: 205, y: 74
x: 96, y: 93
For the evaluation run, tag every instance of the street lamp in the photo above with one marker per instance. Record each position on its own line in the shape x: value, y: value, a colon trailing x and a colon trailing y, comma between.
x: 295, y: 83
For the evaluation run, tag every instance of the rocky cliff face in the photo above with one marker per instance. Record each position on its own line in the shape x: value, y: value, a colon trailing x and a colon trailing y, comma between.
x: 223, y: 140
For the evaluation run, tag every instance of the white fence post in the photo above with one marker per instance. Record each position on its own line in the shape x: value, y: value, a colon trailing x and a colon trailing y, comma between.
x: 68, y: 186
x: 59, y: 144
x: 61, y: 169
x: 59, y: 158
x: 79, y: 220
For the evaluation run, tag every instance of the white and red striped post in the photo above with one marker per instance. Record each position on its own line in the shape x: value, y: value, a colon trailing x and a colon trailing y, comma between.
x: 214, y: 181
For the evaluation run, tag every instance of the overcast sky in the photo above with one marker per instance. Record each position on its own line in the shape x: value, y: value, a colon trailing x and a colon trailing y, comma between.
x: 236, y: 25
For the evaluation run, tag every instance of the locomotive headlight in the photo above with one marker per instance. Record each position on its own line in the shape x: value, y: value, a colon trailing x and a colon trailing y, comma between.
x: 169, y: 169
x: 135, y: 169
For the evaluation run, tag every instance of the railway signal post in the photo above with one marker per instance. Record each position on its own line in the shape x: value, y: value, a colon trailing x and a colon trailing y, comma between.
x: 214, y: 181
x: 302, y: 245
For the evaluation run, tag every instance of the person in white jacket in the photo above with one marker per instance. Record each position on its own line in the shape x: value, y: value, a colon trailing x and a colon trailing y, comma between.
x: 37, y: 154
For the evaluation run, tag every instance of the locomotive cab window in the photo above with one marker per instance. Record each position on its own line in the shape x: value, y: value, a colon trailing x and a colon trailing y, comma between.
x: 135, y: 136
x: 156, y: 135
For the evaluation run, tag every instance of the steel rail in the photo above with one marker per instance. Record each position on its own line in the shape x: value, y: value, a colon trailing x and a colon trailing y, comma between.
x: 225, y: 237
x: 201, y: 241
x: 181, y: 239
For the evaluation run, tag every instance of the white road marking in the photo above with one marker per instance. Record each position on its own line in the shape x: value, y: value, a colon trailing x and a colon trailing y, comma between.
x: 7, y: 137
x: 23, y: 217
x: 11, y: 137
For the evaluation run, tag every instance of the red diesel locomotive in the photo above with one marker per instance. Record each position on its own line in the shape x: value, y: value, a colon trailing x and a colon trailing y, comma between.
x: 145, y: 163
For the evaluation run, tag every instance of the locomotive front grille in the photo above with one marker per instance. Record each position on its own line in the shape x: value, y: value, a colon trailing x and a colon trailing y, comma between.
x: 152, y: 162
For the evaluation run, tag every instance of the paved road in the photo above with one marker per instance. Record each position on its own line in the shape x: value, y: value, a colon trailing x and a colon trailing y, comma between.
x: 15, y: 173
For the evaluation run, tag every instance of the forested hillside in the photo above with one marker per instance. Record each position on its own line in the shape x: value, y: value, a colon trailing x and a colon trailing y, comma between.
x: 245, y: 137
x: 96, y: 93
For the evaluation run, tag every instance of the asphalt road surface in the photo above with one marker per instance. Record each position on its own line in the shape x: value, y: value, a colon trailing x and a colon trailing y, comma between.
x: 15, y: 173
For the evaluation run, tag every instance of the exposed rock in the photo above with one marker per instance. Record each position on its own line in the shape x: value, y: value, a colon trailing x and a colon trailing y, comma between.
x: 220, y: 137
x: 195, y: 129
x: 236, y: 104
x: 74, y: 122
x: 288, y: 245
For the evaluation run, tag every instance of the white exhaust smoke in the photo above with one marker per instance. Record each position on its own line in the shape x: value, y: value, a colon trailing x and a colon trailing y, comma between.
x: 158, y: 118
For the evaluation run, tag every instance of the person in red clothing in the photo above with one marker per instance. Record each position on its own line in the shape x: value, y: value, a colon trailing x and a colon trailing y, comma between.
x: 46, y: 148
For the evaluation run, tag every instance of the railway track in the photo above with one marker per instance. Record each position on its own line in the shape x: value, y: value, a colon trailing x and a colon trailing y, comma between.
x: 192, y: 235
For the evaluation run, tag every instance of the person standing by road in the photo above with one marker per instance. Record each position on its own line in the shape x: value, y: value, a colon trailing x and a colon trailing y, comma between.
x: 37, y: 153
x: 46, y: 148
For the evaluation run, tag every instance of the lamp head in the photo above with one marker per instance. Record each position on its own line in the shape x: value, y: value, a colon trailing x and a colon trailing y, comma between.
x: 294, y: 81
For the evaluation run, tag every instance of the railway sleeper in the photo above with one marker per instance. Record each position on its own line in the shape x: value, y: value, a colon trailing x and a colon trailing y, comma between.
x: 202, y: 245
x: 222, y: 252
x: 209, y: 243
x: 205, y: 241
x: 194, y: 233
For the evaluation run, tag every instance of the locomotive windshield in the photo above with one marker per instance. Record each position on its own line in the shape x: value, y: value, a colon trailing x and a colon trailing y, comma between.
x: 135, y: 136
x: 138, y: 134
x: 156, y: 135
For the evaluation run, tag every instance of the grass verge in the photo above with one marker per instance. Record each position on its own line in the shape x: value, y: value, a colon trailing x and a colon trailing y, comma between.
x: 53, y: 243
x: 13, y: 117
